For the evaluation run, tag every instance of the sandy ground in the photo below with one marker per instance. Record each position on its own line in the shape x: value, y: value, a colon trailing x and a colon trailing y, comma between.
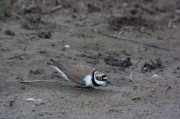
x: 92, y: 30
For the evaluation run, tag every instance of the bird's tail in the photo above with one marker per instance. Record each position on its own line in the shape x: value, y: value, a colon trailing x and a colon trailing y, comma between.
x: 54, y: 63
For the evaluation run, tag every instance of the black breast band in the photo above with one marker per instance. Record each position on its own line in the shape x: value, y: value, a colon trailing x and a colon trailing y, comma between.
x: 93, y: 80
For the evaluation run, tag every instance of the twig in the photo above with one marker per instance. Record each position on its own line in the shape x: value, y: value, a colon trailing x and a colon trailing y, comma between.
x: 53, y: 9
x: 135, y: 41
x: 34, y: 81
x: 148, y: 58
x: 56, y: 8
x: 175, y: 19
x: 29, y: 33
x: 17, y: 56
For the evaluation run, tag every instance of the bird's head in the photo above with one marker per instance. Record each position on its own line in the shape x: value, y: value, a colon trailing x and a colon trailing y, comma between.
x: 101, y: 79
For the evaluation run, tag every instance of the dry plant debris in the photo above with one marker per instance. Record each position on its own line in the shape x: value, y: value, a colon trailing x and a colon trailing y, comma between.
x: 152, y: 65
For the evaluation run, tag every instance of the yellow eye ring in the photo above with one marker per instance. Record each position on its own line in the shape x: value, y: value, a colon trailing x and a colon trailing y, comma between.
x: 100, y: 78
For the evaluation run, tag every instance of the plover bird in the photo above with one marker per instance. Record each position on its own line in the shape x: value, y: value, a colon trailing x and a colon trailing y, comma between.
x: 81, y: 75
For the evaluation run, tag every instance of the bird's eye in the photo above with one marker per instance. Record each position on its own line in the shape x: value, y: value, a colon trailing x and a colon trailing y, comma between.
x: 100, y: 78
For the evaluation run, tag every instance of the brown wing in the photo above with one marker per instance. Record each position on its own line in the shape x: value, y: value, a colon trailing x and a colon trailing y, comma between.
x: 78, y: 72
x: 75, y: 73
